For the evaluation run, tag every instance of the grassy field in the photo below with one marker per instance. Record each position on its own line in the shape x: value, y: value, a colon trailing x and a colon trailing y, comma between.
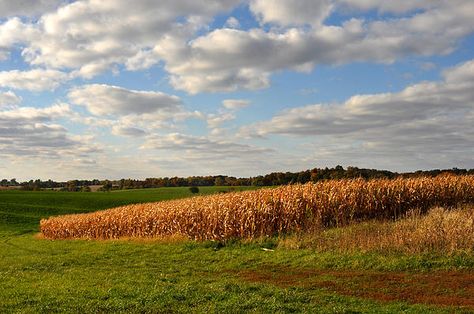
x: 21, y: 211
x: 76, y: 276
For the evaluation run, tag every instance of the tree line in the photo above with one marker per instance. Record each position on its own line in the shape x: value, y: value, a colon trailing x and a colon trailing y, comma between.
x: 272, y: 179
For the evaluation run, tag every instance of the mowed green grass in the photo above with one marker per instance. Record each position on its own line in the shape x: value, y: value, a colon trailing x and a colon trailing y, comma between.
x: 78, y: 276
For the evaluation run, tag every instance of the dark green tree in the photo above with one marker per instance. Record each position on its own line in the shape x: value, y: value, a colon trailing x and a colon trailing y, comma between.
x: 194, y: 189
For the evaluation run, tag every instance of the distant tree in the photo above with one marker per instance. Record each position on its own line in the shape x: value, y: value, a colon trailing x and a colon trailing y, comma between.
x: 71, y: 186
x: 106, y: 186
x: 271, y: 179
x: 230, y: 181
x: 219, y: 181
x: 304, y: 176
x: 194, y: 189
x: 258, y: 181
x: 85, y: 188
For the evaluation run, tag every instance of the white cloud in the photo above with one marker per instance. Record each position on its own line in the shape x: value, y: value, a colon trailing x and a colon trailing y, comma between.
x: 235, y: 104
x: 215, y: 120
x: 232, y: 22
x: 285, y: 12
x: 114, y: 100
x: 34, y: 115
x: 129, y: 113
x: 143, y: 59
x: 430, y: 120
x: 33, y: 80
x: 84, y: 38
x: 225, y: 114
x: 449, y: 99
x: 220, y: 81
x: 127, y: 131
x: 89, y: 37
x: 196, y: 147
x: 231, y: 59
x: 228, y: 156
x: 9, y: 99
x: 32, y: 132
x: 398, y: 7
x: 461, y: 76
x: 27, y: 7
x: 12, y: 32
x: 92, y: 36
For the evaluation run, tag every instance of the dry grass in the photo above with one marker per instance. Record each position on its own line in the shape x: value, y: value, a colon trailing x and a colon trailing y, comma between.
x: 441, y: 231
x: 267, y: 212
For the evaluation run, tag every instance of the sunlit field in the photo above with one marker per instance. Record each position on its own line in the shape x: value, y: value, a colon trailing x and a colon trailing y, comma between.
x: 324, y: 271
x: 268, y: 212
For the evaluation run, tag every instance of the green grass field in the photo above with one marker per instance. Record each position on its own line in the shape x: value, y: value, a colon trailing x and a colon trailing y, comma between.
x: 80, y: 276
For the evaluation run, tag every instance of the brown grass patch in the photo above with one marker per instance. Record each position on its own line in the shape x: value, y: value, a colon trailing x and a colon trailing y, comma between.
x: 442, y: 288
x: 440, y: 230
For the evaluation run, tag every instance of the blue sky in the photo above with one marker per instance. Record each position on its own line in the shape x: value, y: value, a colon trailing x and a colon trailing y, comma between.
x: 115, y: 89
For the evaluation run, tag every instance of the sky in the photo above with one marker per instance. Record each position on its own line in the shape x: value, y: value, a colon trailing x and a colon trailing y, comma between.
x: 135, y: 89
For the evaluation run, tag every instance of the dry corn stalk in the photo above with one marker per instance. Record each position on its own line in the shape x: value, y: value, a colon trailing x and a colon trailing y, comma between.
x: 267, y: 212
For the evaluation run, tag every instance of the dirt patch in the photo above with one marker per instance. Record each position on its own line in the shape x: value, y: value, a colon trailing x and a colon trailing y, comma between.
x: 442, y: 288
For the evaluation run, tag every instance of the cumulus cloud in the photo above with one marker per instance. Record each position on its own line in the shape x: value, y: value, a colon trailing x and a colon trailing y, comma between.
x: 224, y: 115
x: 231, y: 59
x: 100, y: 99
x: 451, y: 98
x: 235, y: 104
x: 128, y: 131
x: 34, y: 115
x: 32, y: 132
x: 285, y: 12
x: 35, y: 139
x: 398, y: 7
x: 91, y: 36
x: 13, y: 32
x: 314, y: 12
x: 129, y: 113
x: 215, y: 120
x: 424, y: 119
x: 66, y: 41
x: 232, y: 22
x: 27, y: 7
x: 9, y: 99
x: 33, y: 80
x: 200, y: 147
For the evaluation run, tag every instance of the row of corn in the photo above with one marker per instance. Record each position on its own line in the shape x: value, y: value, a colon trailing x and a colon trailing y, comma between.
x: 267, y: 212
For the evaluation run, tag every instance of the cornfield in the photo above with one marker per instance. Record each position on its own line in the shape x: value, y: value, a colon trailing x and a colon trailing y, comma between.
x: 267, y: 212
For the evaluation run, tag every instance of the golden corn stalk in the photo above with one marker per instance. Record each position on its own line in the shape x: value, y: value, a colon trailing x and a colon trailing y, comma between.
x: 266, y: 212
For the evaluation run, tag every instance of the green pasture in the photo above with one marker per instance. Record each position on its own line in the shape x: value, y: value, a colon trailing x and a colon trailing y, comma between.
x: 80, y: 276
